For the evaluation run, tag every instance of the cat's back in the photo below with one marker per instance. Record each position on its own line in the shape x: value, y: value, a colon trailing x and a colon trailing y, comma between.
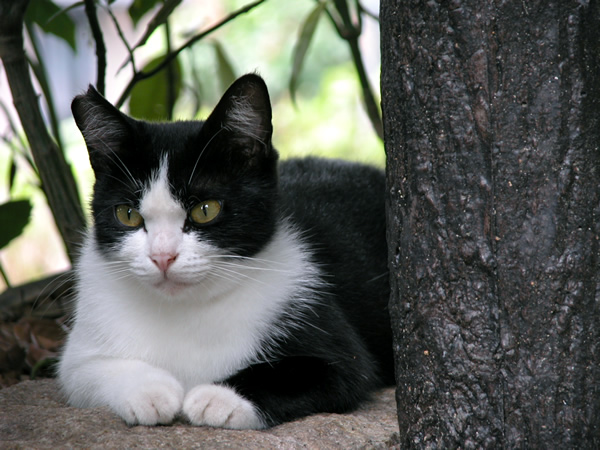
x: 339, y: 206
x: 339, y: 209
x: 324, y: 192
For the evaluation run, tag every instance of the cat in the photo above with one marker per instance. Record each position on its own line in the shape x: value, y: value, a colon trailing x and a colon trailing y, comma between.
x: 218, y: 285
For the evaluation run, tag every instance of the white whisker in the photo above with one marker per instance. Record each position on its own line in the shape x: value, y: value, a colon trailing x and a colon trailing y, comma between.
x: 201, y: 153
x: 58, y: 288
x: 248, y: 267
x: 237, y: 275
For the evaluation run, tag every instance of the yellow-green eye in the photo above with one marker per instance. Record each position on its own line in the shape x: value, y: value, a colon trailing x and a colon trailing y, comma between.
x: 206, y: 211
x: 128, y: 216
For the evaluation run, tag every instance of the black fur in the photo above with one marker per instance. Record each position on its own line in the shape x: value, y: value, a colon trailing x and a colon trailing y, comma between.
x: 329, y: 365
x: 334, y: 364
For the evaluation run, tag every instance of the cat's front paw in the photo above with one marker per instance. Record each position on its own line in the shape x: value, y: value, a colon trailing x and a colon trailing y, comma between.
x: 154, y: 400
x: 220, y: 406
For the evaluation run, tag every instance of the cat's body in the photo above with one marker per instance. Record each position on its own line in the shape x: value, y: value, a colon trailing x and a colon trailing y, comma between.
x: 219, y: 284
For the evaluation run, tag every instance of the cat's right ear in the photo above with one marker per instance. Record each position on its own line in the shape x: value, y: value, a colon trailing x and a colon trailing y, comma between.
x: 105, y: 129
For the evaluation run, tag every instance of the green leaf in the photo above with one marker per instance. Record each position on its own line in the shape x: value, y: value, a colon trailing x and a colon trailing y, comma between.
x: 306, y: 34
x: 149, y: 97
x: 14, y: 217
x: 224, y: 67
x: 196, y: 88
x: 52, y: 19
x: 139, y: 8
x: 168, y: 6
x: 12, y: 174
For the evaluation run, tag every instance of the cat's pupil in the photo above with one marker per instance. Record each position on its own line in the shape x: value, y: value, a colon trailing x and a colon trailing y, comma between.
x: 206, y: 211
x: 128, y: 216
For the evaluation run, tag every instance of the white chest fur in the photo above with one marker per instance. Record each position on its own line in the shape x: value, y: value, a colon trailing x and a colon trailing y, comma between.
x: 209, y: 315
x: 202, y: 335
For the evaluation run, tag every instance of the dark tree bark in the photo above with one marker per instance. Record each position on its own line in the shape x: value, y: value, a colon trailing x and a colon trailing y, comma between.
x: 491, y: 124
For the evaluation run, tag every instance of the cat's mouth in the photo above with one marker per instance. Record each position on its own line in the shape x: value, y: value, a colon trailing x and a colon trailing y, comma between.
x: 171, y: 287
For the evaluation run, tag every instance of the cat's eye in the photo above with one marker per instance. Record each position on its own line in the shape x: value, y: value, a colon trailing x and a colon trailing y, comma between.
x: 206, y: 211
x: 128, y: 216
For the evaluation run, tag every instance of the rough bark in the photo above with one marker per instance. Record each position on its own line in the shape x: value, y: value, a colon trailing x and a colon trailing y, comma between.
x: 56, y: 176
x: 491, y: 114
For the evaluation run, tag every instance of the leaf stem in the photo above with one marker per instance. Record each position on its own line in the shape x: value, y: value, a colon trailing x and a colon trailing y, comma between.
x: 139, y: 76
x: 90, y: 11
x: 56, y: 176
x: 170, y: 100
x: 4, y: 276
x: 42, y: 76
x: 123, y: 40
x: 350, y: 33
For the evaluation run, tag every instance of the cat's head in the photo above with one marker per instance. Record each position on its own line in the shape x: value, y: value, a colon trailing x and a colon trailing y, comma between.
x: 172, y: 199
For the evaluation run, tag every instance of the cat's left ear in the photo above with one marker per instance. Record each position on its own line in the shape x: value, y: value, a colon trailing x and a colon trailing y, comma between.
x: 106, y: 130
x: 245, y: 110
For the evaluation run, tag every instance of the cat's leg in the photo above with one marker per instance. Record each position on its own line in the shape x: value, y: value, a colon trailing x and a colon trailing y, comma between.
x: 268, y: 394
x: 220, y: 406
x: 134, y: 390
x: 295, y: 387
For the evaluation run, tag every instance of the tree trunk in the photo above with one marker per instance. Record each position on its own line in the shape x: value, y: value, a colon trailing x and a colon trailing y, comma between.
x: 491, y: 124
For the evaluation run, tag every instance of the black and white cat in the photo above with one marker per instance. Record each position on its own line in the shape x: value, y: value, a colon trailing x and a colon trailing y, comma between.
x: 219, y: 285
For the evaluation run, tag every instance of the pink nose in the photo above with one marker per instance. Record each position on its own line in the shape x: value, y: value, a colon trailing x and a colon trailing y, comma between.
x: 163, y: 260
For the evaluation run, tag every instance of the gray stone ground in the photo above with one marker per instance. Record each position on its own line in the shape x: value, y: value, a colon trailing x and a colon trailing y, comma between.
x: 33, y: 415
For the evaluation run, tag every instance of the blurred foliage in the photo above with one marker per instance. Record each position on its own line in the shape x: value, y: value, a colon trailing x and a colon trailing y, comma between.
x: 149, y: 98
x: 52, y: 19
x: 14, y: 216
x: 306, y: 34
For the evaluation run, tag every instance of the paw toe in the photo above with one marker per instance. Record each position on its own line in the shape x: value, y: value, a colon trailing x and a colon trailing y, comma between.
x: 219, y: 406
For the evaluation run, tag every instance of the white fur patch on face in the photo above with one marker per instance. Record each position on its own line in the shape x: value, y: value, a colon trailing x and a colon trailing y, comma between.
x: 163, y: 217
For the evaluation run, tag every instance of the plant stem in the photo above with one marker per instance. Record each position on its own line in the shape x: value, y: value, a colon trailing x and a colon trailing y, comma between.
x: 55, y: 174
x: 139, y: 76
x: 350, y: 33
x: 90, y: 11
x: 170, y: 100
x: 368, y: 97
x: 42, y: 76
x: 4, y: 276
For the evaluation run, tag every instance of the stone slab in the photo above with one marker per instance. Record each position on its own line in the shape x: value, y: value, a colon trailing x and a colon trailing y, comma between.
x: 33, y: 415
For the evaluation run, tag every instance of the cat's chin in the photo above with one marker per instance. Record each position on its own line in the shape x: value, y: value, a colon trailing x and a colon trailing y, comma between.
x: 172, y: 288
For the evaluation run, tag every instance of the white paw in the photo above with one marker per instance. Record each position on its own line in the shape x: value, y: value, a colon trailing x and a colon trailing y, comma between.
x: 220, y: 406
x: 155, y: 399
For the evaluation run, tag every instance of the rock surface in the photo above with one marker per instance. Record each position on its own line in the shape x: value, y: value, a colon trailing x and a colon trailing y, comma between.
x: 33, y: 415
